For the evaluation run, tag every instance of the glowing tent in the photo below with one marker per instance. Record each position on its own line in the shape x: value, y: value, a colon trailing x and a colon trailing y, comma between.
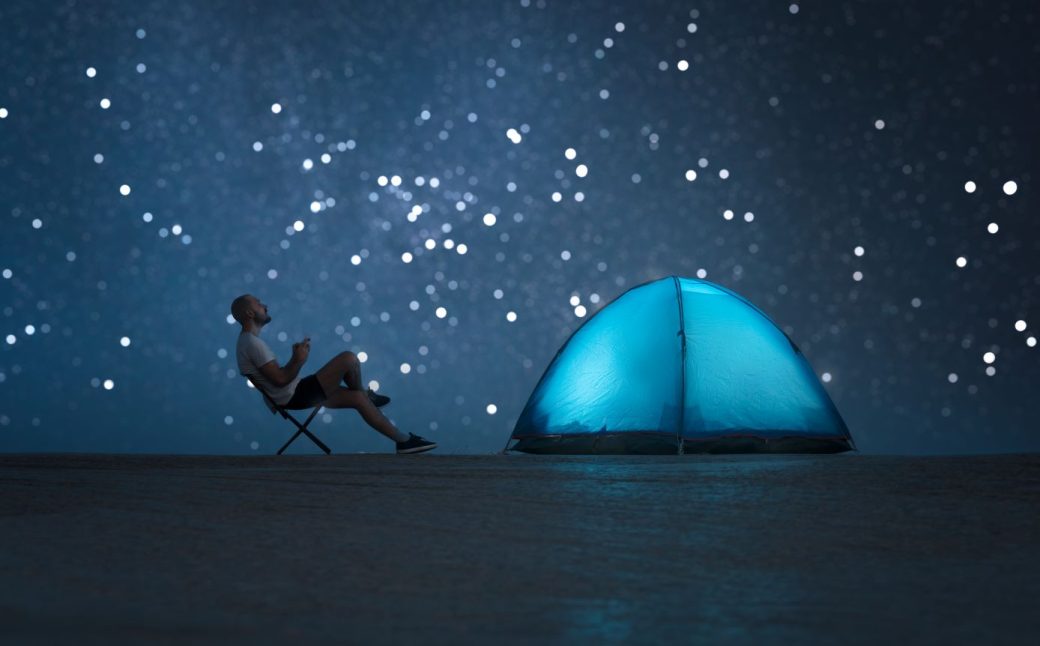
x: 680, y: 365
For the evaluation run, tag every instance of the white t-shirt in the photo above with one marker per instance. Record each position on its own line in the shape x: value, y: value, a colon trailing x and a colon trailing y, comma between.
x: 252, y: 353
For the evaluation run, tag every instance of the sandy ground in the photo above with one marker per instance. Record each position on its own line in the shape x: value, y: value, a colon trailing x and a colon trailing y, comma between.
x: 519, y: 549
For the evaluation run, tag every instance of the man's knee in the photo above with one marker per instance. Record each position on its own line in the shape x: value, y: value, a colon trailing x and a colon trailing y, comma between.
x: 347, y: 359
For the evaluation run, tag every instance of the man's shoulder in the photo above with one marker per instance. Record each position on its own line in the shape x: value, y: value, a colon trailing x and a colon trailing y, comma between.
x: 247, y: 339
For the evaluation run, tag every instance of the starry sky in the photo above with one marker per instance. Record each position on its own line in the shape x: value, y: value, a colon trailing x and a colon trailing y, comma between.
x: 452, y: 188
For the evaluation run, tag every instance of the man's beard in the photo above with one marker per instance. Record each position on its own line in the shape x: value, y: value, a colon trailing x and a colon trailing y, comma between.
x: 266, y: 321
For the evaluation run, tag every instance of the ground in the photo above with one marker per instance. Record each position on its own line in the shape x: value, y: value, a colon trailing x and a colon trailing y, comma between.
x: 450, y: 549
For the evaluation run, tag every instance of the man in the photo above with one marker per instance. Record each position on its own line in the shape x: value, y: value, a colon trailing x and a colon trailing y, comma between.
x: 284, y: 385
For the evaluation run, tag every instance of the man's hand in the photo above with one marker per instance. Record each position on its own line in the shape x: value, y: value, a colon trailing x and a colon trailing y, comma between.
x: 301, y: 350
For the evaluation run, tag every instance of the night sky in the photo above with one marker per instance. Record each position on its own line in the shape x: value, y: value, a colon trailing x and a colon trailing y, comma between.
x: 453, y: 188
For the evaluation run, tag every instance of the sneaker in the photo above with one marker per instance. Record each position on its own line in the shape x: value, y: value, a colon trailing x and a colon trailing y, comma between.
x: 377, y: 399
x: 415, y: 444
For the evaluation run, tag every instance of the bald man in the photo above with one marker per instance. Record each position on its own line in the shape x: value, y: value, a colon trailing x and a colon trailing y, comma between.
x: 284, y: 385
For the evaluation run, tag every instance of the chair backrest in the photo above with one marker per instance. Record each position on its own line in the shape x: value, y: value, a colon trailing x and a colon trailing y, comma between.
x: 271, y: 404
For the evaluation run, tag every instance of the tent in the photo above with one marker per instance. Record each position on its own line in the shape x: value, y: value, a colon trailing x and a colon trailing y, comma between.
x: 680, y: 365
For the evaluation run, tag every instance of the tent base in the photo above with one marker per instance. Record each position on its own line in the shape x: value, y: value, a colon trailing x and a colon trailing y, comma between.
x: 636, y: 443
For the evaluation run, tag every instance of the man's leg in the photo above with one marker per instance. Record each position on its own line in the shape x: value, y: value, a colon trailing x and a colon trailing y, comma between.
x: 344, y: 366
x: 348, y: 398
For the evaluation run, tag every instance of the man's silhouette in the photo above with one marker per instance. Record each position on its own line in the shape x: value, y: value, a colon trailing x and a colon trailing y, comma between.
x: 284, y: 385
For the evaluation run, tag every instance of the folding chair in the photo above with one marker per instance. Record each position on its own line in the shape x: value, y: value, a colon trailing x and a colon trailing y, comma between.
x: 301, y: 428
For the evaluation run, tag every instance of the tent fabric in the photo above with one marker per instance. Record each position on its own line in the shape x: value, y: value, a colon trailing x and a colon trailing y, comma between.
x: 680, y: 365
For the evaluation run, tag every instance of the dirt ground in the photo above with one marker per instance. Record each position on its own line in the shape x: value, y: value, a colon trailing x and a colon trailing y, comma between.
x: 519, y: 549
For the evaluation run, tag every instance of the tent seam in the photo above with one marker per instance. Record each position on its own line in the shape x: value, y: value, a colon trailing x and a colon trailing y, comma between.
x: 682, y: 369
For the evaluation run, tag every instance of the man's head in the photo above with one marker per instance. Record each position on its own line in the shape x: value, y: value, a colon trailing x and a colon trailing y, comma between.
x: 248, y: 308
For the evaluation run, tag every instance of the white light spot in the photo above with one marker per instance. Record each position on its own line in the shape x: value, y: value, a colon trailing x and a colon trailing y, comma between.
x: 993, y: 227
x: 723, y: 174
x: 105, y: 104
x: 793, y: 9
x: 276, y: 107
x: 969, y: 186
x: 575, y: 300
x: 141, y: 68
x: 355, y: 260
x: 565, y: 255
x: 952, y: 377
x: 462, y: 249
x: 489, y: 219
x: 990, y: 371
x: 91, y: 72
x: 1010, y: 187
x: 395, y: 180
x: 491, y: 409
x: 510, y: 316
x: 557, y: 196
x: 326, y: 158
x: 257, y: 146
x: 989, y: 357
x: 308, y: 164
x: 682, y: 65
x: 1020, y: 325
x: 880, y: 124
x: 406, y: 257
x: 405, y: 368
x: 440, y: 312
x: 298, y: 225
x: 98, y: 158
x: 619, y: 27
x: 727, y: 214
x: 124, y: 190
x: 272, y: 273
x: 30, y: 330
x: 826, y: 377
x: 125, y: 342
x: 176, y: 229
x: 374, y: 385
x: 11, y: 339
x: 1031, y: 342
x: 579, y: 311
x: 362, y: 357
x: 857, y: 276
x: 37, y: 223
x: 109, y: 384
x: 962, y: 261
x: 570, y: 153
x: 749, y: 216
x: 582, y: 170
x: 691, y: 175
x: 859, y: 251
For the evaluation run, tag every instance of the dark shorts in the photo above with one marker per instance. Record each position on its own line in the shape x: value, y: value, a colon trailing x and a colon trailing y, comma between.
x: 308, y: 394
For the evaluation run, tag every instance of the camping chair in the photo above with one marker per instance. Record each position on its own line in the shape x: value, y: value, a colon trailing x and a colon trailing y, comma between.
x: 301, y: 428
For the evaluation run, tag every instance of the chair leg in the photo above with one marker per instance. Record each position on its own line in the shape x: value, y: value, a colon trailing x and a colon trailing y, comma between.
x: 314, y: 438
x: 303, y: 429
x: 286, y: 445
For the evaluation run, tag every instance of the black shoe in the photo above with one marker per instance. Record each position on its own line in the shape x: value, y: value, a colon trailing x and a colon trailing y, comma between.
x: 415, y: 444
x: 377, y: 399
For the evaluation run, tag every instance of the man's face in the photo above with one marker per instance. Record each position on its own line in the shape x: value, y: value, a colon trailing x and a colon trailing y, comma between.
x: 259, y: 311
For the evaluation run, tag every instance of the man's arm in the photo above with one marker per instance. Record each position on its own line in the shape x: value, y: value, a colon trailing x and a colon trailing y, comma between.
x: 283, y: 376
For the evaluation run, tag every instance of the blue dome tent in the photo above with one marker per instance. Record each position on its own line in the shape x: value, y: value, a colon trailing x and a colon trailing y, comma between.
x: 680, y: 365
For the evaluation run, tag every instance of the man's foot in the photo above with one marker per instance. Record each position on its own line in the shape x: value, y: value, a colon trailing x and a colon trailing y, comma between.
x: 415, y: 444
x: 376, y: 398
